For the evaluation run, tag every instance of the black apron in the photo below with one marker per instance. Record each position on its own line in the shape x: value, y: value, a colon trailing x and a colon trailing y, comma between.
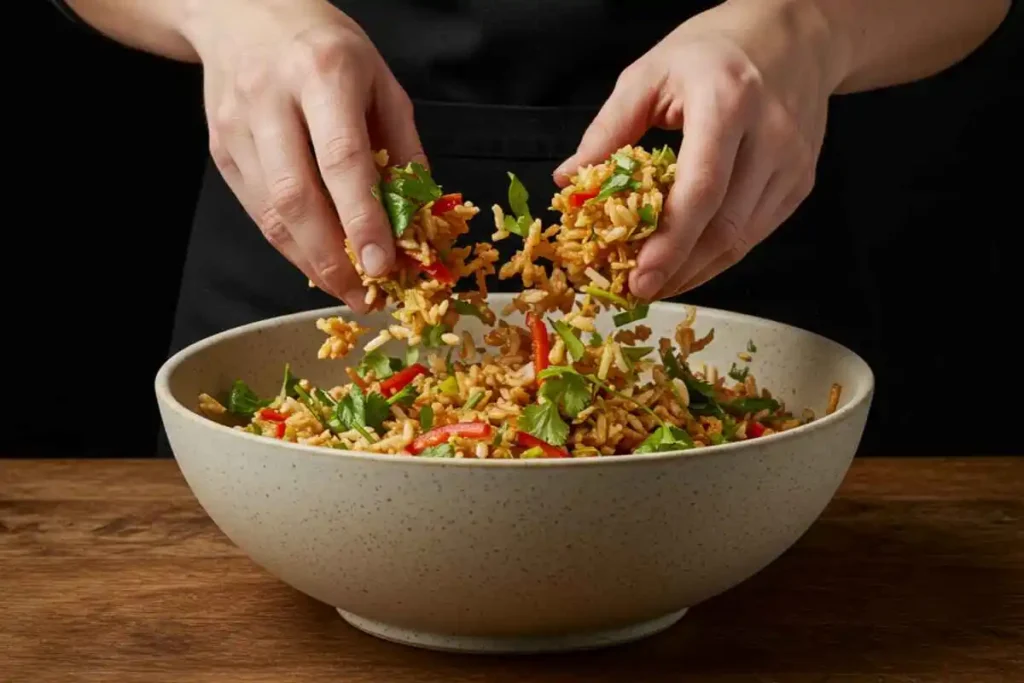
x: 507, y: 85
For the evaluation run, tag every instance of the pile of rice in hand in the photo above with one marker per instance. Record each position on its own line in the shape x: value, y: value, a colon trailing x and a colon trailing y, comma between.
x: 556, y: 388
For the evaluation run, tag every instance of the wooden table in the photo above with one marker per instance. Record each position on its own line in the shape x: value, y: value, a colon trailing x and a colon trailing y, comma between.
x: 110, y: 571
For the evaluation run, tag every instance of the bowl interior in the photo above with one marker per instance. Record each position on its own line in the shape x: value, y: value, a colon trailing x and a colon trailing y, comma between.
x: 797, y: 366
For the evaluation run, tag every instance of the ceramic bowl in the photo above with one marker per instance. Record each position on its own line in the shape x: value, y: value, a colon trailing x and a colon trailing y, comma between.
x: 514, y: 556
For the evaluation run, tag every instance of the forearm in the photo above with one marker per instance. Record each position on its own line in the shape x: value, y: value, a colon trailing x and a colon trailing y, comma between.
x: 150, y: 25
x: 879, y: 43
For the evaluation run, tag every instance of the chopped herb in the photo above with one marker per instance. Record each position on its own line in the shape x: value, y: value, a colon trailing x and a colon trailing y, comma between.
x: 663, y: 156
x: 406, y: 397
x: 520, y: 226
x: 596, y: 339
x: 572, y: 343
x: 625, y: 162
x: 382, y: 366
x: 465, y: 308
x: 531, y: 453
x: 474, y: 399
x: 615, y: 183
x: 751, y: 404
x: 448, y: 365
x: 638, y: 312
x: 412, y: 354
x: 544, y: 422
x: 739, y: 374
x: 499, y: 435
x: 565, y: 388
x: 400, y: 212
x: 444, y: 450
x: 426, y: 418
x: 665, y: 438
x: 750, y: 346
x: 243, y: 401
x: 288, y: 383
x: 647, y: 215
x: 432, y: 335
x: 635, y: 353
x: 357, y: 410
x: 324, y: 397
x: 518, y: 197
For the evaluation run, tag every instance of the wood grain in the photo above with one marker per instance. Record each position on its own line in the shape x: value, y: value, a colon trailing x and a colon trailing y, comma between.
x: 110, y: 571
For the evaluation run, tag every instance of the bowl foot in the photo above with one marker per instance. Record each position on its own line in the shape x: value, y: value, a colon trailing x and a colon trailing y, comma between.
x: 513, y: 644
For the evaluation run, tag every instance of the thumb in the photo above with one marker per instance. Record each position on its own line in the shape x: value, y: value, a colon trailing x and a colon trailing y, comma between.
x: 622, y: 120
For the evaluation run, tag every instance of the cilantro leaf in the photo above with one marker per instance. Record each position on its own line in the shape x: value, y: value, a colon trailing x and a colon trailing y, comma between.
x: 243, y: 401
x: 517, y: 226
x: 625, y: 162
x: 665, y: 438
x: 432, y: 335
x: 615, y: 183
x: 288, y: 383
x: 426, y: 418
x: 647, y: 215
x: 572, y: 343
x: 569, y: 390
x: 638, y: 312
x: 444, y: 450
x: 412, y: 354
x: 596, y: 339
x: 663, y: 156
x: 636, y: 353
x: 377, y: 410
x: 750, y: 346
x: 739, y: 374
x: 400, y: 212
x: 357, y: 410
x: 751, y: 404
x: 465, y: 308
x: 518, y: 198
x: 377, y: 361
x: 544, y: 422
x: 406, y: 397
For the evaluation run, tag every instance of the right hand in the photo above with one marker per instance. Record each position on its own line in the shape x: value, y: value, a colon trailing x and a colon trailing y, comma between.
x: 282, y: 79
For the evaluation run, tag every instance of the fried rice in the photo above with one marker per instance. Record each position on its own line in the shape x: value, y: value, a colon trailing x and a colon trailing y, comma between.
x: 554, y: 388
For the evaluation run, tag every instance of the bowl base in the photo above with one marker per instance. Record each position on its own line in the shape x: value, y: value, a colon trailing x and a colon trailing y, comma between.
x: 567, y: 642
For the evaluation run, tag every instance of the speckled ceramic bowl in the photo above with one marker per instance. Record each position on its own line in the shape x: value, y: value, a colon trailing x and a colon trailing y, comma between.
x: 514, y: 556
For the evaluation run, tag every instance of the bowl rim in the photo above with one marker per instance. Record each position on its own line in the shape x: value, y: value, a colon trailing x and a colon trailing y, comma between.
x: 167, y: 368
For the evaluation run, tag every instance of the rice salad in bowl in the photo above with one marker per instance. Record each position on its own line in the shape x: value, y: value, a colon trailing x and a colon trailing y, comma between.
x: 555, y: 386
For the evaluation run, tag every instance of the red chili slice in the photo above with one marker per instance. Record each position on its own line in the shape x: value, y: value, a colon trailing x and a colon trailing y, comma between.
x: 755, y: 429
x: 541, y: 342
x: 527, y: 440
x: 446, y: 203
x: 272, y: 415
x: 280, y: 430
x: 578, y: 199
x: 439, y: 435
x: 401, y: 379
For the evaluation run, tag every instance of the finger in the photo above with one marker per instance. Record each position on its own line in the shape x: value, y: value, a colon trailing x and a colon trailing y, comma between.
x: 622, y: 120
x: 394, y: 126
x: 752, y: 180
x: 705, y: 163
x: 774, y: 208
x: 293, y: 191
x: 337, y: 124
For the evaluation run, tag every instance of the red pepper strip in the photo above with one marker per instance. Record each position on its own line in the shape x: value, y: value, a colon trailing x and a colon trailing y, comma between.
x: 436, y: 270
x: 280, y: 430
x: 755, y: 429
x: 439, y: 435
x: 272, y: 415
x: 541, y: 343
x: 527, y: 440
x: 446, y: 203
x: 577, y: 199
x: 401, y: 379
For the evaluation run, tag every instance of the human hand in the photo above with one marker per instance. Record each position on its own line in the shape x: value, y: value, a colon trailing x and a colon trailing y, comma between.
x: 748, y: 82
x: 295, y: 96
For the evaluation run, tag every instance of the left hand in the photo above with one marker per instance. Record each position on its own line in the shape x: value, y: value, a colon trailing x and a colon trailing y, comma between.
x: 748, y: 82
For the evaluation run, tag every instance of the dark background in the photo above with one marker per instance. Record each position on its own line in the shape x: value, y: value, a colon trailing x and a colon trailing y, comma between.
x: 108, y: 144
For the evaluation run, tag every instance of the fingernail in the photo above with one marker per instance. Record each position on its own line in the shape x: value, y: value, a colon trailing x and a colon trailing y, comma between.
x: 374, y: 260
x: 650, y: 283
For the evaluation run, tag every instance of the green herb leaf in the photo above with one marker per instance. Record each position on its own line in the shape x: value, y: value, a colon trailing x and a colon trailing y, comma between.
x: 750, y: 405
x: 358, y: 410
x: 426, y: 418
x: 518, y: 198
x: 750, y: 346
x: 638, y: 312
x: 572, y: 343
x: 544, y: 422
x: 432, y: 335
x: 665, y: 438
x: 444, y: 450
x: 465, y: 308
x: 625, y: 162
x: 647, y: 215
x: 400, y: 212
x: 635, y: 353
x: 377, y: 361
x: 406, y: 397
x: 288, y: 383
x: 243, y: 401
x: 568, y: 390
x: 663, y: 156
x: 605, y: 294
x: 517, y: 226
x: 596, y: 339
x: 448, y: 365
x: 449, y: 386
x: 412, y: 354
x: 739, y: 374
x: 324, y: 397
x: 613, y: 184
x: 413, y: 182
